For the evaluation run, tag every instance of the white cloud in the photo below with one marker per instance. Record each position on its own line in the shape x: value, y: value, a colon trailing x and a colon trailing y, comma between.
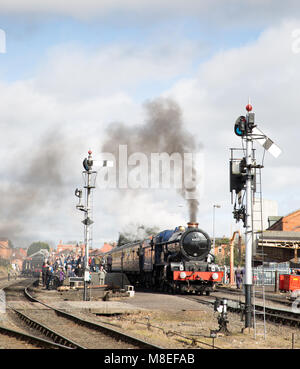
x: 145, y: 210
x: 268, y: 71
x: 75, y: 72
x: 76, y: 93
x: 79, y: 92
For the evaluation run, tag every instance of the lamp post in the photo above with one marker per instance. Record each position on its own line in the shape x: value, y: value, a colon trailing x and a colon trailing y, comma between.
x: 214, y: 240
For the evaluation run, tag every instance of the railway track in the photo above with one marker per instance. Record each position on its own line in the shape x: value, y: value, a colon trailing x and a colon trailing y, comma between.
x: 276, y: 299
x: 90, y: 334
x: 272, y: 314
x: 31, y: 340
x: 15, y: 338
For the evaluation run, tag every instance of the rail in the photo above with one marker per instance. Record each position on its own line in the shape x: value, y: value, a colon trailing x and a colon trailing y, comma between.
x: 96, y: 326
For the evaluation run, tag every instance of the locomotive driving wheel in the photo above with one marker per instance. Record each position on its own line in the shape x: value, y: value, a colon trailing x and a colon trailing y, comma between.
x: 181, y: 289
x: 172, y: 288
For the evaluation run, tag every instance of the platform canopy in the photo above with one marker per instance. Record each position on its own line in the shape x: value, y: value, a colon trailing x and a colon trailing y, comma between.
x: 278, y: 246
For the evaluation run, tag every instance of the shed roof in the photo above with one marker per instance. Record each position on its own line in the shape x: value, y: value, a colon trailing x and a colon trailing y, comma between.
x: 280, y: 235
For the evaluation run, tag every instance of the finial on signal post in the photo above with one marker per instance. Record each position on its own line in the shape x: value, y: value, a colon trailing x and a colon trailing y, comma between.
x: 248, y: 106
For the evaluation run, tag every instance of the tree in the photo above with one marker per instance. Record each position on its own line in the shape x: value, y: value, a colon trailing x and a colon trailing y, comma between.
x: 222, y: 241
x: 238, y: 256
x: 37, y: 246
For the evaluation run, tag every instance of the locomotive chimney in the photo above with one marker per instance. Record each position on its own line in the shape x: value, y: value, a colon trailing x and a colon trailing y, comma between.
x: 192, y: 225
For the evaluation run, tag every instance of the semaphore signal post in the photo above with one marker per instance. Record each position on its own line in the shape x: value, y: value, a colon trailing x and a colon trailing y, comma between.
x: 243, y: 182
x: 90, y: 180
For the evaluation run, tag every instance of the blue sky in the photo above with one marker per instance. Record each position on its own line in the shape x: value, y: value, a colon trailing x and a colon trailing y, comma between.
x: 71, y: 70
x: 28, y: 40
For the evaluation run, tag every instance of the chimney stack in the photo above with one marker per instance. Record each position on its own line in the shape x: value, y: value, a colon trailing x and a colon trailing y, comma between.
x: 192, y: 225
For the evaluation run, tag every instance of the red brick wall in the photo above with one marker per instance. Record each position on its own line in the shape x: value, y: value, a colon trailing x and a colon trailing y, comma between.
x: 290, y: 223
x: 5, y: 253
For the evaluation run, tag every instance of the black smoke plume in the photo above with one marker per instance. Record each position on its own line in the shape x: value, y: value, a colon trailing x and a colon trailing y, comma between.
x: 162, y: 131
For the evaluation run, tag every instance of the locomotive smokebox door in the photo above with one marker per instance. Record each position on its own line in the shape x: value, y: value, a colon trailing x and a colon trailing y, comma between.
x: 195, y: 244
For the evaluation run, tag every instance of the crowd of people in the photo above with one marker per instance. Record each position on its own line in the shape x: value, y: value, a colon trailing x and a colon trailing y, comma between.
x: 63, y: 267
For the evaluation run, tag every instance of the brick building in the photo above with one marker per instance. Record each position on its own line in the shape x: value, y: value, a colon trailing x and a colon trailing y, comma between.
x: 77, y: 249
x: 288, y: 223
x: 281, y: 241
x: 106, y: 247
x: 5, y: 250
x: 221, y: 250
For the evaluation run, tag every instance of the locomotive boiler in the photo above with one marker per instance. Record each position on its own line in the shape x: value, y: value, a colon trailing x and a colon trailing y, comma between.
x: 176, y: 260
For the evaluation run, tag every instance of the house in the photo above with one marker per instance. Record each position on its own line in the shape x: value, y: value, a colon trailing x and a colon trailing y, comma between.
x: 17, y: 257
x: 75, y: 248
x: 221, y: 250
x: 106, y: 248
x: 5, y: 250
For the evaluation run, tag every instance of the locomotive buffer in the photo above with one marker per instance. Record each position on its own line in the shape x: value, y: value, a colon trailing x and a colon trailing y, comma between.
x: 243, y: 181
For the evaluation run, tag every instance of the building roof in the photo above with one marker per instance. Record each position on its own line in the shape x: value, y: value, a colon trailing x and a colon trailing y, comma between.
x: 274, y: 218
x: 106, y: 248
x: 4, y: 244
x: 95, y: 252
x: 70, y: 246
x: 290, y: 215
x: 19, y: 253
x: 66, y: 246
x: 280, y: 235
x: 296, y: 212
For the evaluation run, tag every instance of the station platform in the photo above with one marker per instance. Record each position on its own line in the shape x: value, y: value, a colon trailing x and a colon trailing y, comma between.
x: 96, y: 307
x: 111, y: 280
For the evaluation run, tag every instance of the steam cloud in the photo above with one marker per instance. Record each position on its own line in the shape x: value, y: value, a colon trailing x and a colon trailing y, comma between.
x: 37, y: 182
x: 162, y: 131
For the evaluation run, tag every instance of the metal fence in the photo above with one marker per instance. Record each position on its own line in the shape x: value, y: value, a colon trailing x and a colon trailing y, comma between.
x: 266, y: 275
x: 263, y: 275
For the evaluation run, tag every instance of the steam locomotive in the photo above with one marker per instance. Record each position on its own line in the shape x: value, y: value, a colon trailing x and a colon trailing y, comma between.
x: 32, y: 265
x: 176, y: 261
